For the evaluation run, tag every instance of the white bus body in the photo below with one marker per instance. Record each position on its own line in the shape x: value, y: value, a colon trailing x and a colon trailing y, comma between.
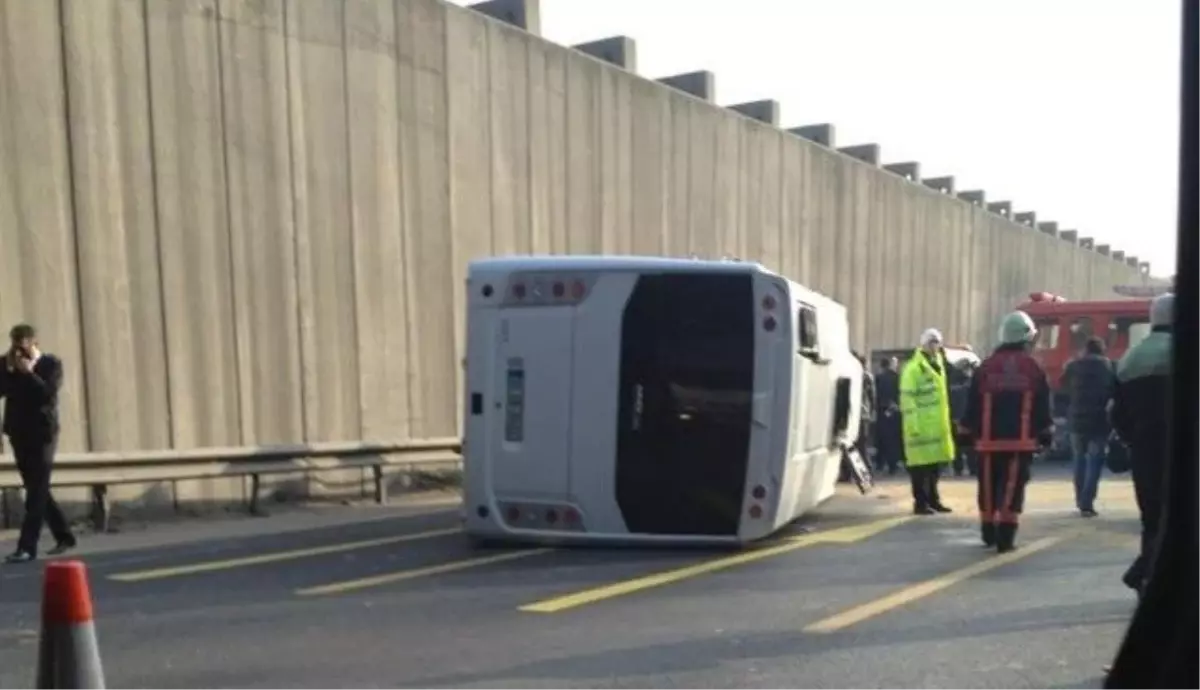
x: 628, y: 399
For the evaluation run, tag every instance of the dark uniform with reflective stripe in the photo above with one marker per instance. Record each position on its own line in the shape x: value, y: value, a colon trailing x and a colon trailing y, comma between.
x: 1008, y: 416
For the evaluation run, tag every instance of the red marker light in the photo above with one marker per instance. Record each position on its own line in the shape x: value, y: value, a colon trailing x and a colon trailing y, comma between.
x: 519, y: 291
x: 577, y: 290
x: 755, y: 512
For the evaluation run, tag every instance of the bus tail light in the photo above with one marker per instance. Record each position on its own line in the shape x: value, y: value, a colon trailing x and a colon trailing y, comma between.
x: 549, y: 290
x: 768, y: 302
x: 759, y: 493
x: 756, y: 512
x: 559, y: 517
x: 769, y: 324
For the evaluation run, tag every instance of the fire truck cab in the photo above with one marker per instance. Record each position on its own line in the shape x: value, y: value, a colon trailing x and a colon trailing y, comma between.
x: 1063, y: 329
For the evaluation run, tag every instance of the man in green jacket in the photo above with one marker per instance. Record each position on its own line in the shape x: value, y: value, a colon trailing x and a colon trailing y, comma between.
x: 925, y: 416
x: 1140, y: 412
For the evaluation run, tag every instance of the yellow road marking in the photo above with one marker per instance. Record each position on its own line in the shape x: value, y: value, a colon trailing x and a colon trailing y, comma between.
x: 920, y: 590
x: 843, y: 535
x: 389, y: 578
x: 229, y: 563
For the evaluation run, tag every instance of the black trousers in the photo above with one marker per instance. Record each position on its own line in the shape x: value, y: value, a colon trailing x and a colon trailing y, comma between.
x: 889, y: 445
x: 1001, y: 496
x: 35, y: 461
x: 1148, y: 474
x: 924, y: 480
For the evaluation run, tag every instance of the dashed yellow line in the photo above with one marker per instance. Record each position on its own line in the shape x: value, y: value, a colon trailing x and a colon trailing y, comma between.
x: 402, y: 575
x: 843, y: 535
x: 921, y: 590
x: 276, y: 557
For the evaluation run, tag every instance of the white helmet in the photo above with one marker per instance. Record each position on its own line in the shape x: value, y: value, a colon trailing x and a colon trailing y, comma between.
x: 931, y: 335
x: 1017, y: 328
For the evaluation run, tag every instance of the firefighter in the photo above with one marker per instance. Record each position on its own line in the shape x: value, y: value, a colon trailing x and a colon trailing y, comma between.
x: 1007, y: 418
x: 925, y: 421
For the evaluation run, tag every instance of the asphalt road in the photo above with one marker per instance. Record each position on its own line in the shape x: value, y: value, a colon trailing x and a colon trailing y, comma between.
x: 860, y: 595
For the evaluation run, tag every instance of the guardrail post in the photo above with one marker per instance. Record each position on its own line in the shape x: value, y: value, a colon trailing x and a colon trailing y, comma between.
x: 100, y: 508
x: 381, y: 492
x: 255, y: 483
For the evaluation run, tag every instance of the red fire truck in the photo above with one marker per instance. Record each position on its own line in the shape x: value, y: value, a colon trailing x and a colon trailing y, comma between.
x: 1064, y: 327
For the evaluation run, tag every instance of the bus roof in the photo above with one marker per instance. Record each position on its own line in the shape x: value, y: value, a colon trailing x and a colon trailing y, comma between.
x: 552, y: 262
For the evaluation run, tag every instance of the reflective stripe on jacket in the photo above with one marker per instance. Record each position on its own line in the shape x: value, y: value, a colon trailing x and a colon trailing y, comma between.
x: 925, y: 412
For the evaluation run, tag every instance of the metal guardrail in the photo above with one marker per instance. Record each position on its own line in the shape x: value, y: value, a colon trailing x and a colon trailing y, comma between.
x: 101, y: 470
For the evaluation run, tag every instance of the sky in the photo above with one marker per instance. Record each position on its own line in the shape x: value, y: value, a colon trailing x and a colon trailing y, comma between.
x: 1069, y: 108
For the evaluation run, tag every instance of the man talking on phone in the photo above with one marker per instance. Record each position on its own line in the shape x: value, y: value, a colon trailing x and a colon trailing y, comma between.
x: 29, y: 383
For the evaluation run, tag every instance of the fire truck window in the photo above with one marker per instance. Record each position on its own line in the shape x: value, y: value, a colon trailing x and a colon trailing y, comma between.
x: 1081, y: 330
x: 1124, y: 332
x: 1047, y: 338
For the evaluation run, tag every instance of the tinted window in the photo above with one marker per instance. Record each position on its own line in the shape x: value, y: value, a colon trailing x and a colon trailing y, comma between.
x: 687, y: 374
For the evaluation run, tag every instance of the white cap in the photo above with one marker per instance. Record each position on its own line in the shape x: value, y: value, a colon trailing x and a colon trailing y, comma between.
x: 931, y: 335
x: 1162, y: 310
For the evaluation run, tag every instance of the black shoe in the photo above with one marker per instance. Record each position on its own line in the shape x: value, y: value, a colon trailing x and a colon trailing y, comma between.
x: 923, y: 510
x: 62, y: 547
x: 1088, y: 513
x: 987, y: 532
x: 20, y: 557
x: 942, y: 508
x: 1005, y: 548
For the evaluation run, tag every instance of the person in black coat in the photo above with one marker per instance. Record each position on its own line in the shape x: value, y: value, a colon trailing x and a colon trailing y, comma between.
x: 888, y: 444
x: 1089, y: 382
x: 30, y: 381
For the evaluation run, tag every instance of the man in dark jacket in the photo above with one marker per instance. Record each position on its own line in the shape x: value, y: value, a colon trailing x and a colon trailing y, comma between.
x: 1008, y: 418
x: 1139, y: 413
x: 29, y: 383
x: 887, y: 417
x: 1088, y: 382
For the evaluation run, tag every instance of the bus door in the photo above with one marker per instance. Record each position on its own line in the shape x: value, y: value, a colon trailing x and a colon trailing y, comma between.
x: 684, y: 402
x: 531, y: 390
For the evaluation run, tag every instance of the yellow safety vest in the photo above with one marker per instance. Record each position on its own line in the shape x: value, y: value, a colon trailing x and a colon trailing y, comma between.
x: 925, y: 413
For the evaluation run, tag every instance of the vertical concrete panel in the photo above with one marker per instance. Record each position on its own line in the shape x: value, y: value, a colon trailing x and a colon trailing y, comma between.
x: 770, y: 200
x: 377, y: 200
x: 193, y: 211
x: 650, y: 168
x: 425, y: 145
x: 750, y: 169
x: 821, y: 221
x: 622, y: 210
x: 116, y: 233
x: 858, y: 226
x: 38, y: 280
x: 583, y: 213
x: 608, y: 160
x: 727, y: 186
x: 791, y: 220
x: 702, y: 231
x: 546, y: 146
x: 325, y: 236
x: 878, y: 261
x: 258, y: 159
x: 677, y: 240
x: 509, y: 94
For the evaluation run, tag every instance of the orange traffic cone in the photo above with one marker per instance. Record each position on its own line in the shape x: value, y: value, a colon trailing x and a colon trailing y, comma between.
x: 68, y: 656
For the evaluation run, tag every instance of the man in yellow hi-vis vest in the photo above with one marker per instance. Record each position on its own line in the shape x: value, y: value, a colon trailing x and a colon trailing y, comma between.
x: 925, y: 416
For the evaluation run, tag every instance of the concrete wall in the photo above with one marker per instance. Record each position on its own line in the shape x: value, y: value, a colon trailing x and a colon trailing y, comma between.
x: 247, y: 221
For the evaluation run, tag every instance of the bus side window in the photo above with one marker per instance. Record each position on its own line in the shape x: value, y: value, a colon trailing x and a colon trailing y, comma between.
x: 806, y: 325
